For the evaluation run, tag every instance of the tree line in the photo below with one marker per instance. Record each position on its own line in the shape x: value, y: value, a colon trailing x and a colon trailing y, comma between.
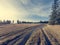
x: 26, y: 22
x: 5, y: 22
x: 55, y: 15
x: 20, y: 22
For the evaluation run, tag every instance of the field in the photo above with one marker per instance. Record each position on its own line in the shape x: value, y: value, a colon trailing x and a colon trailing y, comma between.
x: 29, y: 34
x: 53, y: 32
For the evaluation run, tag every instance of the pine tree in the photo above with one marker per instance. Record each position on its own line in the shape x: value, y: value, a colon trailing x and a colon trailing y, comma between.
x: 58, y: 14
x: 54, y: 12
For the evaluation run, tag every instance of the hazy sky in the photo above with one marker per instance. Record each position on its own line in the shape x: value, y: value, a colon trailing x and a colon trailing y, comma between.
x: 29, y: 10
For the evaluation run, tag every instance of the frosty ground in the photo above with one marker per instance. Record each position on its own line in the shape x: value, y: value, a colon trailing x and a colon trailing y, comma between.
x: 29, y: 34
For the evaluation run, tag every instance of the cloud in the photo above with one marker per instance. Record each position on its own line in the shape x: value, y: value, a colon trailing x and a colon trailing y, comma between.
x: 10, y: 11
x: 25, y: 9
x: 36, y: 18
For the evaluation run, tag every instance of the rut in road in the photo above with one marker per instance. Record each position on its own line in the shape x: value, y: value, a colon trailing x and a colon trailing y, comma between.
x: 16, y: 38
x: 52, y: 38
x: 34, y: 35
x: 34, y: 38
x: 47, y: 41
x: 12, y: 33
x: 38, y: 37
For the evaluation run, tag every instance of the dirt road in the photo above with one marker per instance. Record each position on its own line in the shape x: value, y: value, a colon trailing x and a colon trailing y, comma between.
x: 33, y: 35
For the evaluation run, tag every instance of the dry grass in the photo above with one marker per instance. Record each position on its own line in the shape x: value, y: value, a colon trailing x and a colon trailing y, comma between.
x: 29, y: 34
x: 11, y: 31
x: 4, y: 29
x: 53, y: 32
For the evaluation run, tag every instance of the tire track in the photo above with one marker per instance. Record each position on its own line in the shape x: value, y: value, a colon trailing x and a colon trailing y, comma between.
x: 12, y: 33
x: 52, y: 39
x: 9, y: 40
x: 15, y: 40
x: 25, y: 39
x: 27, y: 36
x: 38, y: 43
x: 18, y: 36
x: 34, y: 39
x: 47, y: 42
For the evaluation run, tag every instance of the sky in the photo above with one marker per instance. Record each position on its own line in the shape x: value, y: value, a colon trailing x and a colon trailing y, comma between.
x: 25, y: 10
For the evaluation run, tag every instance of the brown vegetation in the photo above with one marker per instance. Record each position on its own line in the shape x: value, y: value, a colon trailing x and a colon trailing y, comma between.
x: 29, y: 34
